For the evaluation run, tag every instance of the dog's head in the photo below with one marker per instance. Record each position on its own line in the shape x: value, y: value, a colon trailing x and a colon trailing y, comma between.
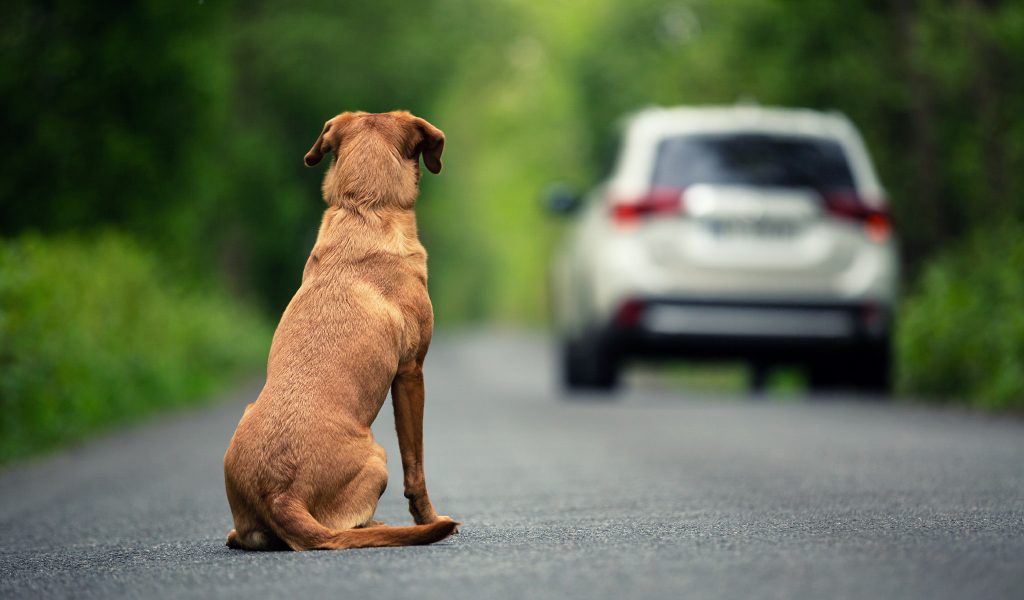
x: 376, y: 157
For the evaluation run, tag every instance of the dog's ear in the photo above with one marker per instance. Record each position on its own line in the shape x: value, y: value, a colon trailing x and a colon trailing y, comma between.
x: 431, y: 145
x: 321, y: 146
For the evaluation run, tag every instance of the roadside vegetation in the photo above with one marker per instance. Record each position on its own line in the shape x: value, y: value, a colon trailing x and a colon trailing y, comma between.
x: 961, y: 333
x: 182, y: 127
x: 94, y: 332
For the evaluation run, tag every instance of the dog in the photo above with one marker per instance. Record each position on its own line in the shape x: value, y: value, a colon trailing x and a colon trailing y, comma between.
x: 303, y: 470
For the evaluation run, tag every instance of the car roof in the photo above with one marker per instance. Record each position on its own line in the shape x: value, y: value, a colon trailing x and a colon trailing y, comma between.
x: 796, y: 121
x: 645, y: 128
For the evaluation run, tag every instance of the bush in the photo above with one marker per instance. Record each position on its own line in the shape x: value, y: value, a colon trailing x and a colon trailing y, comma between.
x: 961, y: 336
x: 92, y: 333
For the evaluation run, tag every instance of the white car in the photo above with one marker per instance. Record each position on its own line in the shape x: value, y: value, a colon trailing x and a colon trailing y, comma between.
x: 748, y: 233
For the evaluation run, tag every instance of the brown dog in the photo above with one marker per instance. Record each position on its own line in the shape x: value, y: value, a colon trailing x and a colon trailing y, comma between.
x: 303, y: 469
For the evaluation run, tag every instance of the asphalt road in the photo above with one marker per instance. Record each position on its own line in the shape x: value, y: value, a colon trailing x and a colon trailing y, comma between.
x: 658, y: 494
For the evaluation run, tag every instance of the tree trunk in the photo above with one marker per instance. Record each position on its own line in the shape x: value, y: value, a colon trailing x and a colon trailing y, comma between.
x: 924, y: 198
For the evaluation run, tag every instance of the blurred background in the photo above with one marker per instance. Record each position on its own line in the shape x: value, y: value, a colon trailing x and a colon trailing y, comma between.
x: 155, y: 213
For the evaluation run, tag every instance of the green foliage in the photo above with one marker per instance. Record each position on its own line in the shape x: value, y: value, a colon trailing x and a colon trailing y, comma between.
x: 92, y: 333
x: 185, y: 123
x: 109, y: 116
x: 930, y: 84
x: 294, y: 67
x: 961, y: 334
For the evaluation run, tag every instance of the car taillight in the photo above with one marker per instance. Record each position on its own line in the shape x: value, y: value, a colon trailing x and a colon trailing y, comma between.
x: 657, y: 202
x: 629, y: 313
x: 877, y: 224
x: 874, y: 317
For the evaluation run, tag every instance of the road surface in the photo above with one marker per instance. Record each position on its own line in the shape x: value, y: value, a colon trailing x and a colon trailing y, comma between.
x: 658, y: 494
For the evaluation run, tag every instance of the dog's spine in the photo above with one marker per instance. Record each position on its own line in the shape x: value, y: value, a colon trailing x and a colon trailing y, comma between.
x: 293, y: 523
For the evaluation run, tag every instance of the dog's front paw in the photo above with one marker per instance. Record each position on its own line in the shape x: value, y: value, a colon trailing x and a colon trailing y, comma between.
x: 447, y: 518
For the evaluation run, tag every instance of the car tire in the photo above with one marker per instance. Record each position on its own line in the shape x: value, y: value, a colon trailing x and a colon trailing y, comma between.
x: 826, y: 374
x: 866, y: 369
x: 589, y: 365
x: 874, y: 370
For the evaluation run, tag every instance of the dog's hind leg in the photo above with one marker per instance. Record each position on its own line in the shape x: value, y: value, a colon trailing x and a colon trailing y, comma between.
x: 255, y: 539
x: 382, y: 481
x: 356, y: 503
x: 250, y: 532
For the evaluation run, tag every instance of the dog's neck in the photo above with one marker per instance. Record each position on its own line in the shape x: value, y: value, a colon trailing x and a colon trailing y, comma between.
x: 373, y: 178
x: 356, y: 231
x: 371, y: 192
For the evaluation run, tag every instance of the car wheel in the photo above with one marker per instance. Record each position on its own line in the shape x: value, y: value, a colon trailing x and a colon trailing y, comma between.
x: 865, y: 370
x: 826, y: 374
x: 589, y: 365
x: 873, y: 368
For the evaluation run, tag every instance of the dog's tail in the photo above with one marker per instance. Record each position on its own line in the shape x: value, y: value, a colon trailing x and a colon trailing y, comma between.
x: 293, y: 523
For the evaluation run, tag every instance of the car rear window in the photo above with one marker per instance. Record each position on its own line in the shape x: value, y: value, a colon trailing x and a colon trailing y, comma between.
x: 752, y: 159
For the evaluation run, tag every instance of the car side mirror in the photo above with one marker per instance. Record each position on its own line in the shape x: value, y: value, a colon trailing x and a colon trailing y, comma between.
x: 562, y: 199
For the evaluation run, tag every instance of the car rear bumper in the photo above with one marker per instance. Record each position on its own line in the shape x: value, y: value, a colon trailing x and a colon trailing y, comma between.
x: 716, y: 329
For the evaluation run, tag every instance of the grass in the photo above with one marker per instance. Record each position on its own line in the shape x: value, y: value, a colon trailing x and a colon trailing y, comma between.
x: 729, y: 378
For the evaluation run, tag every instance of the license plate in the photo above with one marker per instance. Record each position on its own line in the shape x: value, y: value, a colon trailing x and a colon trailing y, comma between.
x: 748, y: 321
x: 760, y: 228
